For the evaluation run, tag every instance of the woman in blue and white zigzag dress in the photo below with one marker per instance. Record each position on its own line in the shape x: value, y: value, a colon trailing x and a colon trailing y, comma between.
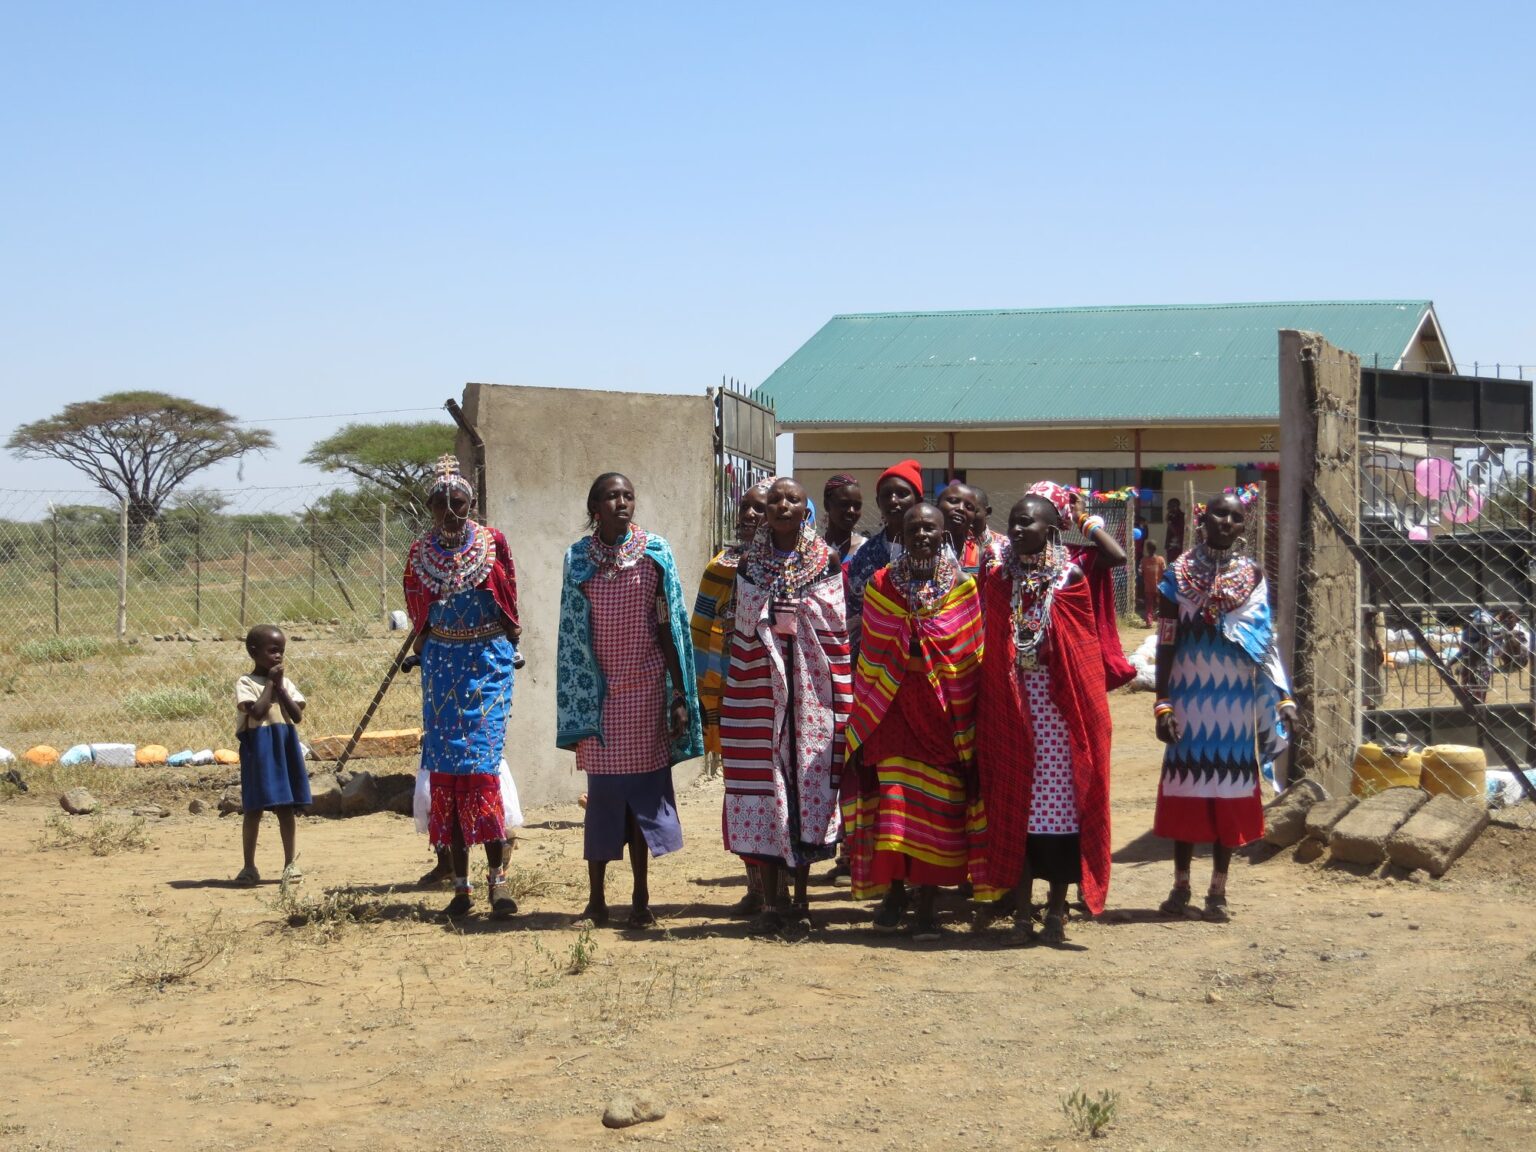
x: 1223, y: 701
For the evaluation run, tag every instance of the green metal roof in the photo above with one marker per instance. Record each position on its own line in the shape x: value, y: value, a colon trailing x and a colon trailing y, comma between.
x: 1209, y: 363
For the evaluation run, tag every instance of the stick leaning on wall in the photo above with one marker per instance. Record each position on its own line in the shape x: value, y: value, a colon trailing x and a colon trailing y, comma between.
x: 378, y: 698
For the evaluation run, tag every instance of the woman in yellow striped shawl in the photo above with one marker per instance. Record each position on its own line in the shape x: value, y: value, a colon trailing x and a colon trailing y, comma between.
x: 917, y: 817
x: 713, y: 621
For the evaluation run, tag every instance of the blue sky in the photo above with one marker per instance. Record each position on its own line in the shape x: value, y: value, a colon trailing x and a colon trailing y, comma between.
x: 291, y: 210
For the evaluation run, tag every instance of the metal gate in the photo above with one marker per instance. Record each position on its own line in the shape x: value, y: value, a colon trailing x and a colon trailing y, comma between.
x: 746, y: 433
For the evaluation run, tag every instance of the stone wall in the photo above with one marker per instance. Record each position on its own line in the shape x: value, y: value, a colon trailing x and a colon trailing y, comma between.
x: 544, y: 447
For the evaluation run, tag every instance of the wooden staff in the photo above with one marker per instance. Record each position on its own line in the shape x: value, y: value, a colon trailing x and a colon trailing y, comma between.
x: 378, y: 698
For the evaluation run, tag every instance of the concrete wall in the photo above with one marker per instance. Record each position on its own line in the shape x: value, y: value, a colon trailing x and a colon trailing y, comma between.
x: 544, y: 447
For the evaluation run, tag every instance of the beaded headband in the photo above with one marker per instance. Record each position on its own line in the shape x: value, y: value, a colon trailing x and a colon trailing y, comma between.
x: 1246, y: 495
x: 447, y: 479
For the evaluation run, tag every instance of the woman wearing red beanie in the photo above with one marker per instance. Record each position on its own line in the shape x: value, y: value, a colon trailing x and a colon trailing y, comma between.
x: 900, y: 486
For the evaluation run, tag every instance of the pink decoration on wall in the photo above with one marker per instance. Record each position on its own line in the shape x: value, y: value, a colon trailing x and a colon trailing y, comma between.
x: 1433, y: 477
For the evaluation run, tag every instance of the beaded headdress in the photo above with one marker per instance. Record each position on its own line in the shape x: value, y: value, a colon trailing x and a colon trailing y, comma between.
x: 1059, y: 496
x: 447, y: 479
x: 1246, y: 495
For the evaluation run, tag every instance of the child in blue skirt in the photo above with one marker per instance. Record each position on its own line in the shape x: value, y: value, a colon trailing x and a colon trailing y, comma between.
x: 272, y: 773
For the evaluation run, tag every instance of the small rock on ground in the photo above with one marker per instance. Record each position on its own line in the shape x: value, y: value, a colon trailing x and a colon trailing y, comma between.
x: 78, y: 802
x: 624, y: 1111
x: 198, y: 806
x: 151, y: 811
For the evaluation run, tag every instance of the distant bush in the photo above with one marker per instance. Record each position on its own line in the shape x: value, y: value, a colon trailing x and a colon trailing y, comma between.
x: 59, y: 649
x: 184, y: 703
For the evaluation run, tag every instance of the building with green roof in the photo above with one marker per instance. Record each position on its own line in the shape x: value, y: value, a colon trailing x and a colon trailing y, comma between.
x: 1112, y: 397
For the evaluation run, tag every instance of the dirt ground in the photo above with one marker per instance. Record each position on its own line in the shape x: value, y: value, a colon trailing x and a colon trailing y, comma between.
x: 148, y: 1003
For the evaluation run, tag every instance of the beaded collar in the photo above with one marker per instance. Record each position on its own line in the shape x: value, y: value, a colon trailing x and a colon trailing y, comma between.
x: 445, y: 569
x: 923, y: 592
x: 610, y: 559
x: 1215, y: 580
x: 785, y: 574
x: 1035, y: 577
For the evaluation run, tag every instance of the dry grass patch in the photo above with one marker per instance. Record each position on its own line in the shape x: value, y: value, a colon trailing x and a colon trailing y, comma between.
x: 98, y: 835
x: 175, y: 959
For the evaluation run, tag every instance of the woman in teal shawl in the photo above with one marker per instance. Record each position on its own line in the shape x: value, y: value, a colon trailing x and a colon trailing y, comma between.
x: 625, y: 695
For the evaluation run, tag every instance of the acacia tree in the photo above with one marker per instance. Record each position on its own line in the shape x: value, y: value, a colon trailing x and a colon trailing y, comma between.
x: 138, y: 446
x: 392, y: 459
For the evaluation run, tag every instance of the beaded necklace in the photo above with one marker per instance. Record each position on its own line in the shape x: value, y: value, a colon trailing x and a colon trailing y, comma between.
x: 448, y: 566
x: 1215, y: 580
x: 785, y: 574
x: 922, y: 591
x: 610, y: 559
x: 1035, y: 577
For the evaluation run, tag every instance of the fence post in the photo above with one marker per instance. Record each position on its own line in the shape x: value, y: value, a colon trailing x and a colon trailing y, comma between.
x: 197, y: 567
x: 54, y: 512
x: 1263, y: 518
x: 383, y: 562
x: 122, y: 572
x: 310, y: 515
x: 1132, y: 568
x: 245, y: 576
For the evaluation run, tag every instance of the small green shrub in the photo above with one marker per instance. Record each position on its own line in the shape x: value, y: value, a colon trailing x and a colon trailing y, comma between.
x: 174, y: 703
x: 583, y: 953
x: 58, y: 649
x: 1090, y: 1117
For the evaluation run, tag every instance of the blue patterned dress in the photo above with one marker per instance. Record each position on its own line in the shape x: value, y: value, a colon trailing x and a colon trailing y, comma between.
x: 1226, y: 687
x: 466, y: 685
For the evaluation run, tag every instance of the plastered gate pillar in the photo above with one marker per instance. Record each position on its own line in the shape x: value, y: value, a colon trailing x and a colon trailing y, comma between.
x: 1319, y: 595
x: 543, y: 449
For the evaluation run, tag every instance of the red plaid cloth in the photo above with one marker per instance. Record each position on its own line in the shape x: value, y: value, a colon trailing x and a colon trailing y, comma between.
x: 472, y: 801
x: 629, y: 655
x: 1005, y: 748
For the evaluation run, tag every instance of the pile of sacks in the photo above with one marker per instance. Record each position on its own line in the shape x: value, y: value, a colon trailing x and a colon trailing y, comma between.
x: 124, y: 756
x: 1144, y: 660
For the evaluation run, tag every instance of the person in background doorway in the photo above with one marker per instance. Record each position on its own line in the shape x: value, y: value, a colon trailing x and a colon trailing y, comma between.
x: 1152, y: 567
x: 1173, y: 534
x: 626, y: 696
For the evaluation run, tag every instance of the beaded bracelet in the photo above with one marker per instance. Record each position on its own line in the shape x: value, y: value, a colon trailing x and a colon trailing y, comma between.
x: 1162, y: 708
x: 1088, y: 525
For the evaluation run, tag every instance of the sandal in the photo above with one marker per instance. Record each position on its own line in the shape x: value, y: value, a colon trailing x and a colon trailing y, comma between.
x: 747, y: 907
x: 1216, y: 910
x: 439, y: 874
x: 769, y: 923
x: 640, y: 917
x: 1177, y: 903
x: 841, y: 875
x: 292, y: 873
x: 248, y: 877
x: 502, y: 905
x: 888, y: 915
x: 460, y: 905
x: 594, y: 914
x: 1055, y: 930
x: 927, y: 932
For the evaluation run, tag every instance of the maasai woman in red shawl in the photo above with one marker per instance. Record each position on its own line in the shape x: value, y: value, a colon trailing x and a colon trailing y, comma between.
x: 1043, y: 729
x: 916, y: 818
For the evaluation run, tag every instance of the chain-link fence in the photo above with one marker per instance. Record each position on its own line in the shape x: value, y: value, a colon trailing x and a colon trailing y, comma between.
x: 1414, y: 604
x: 113, y: 633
